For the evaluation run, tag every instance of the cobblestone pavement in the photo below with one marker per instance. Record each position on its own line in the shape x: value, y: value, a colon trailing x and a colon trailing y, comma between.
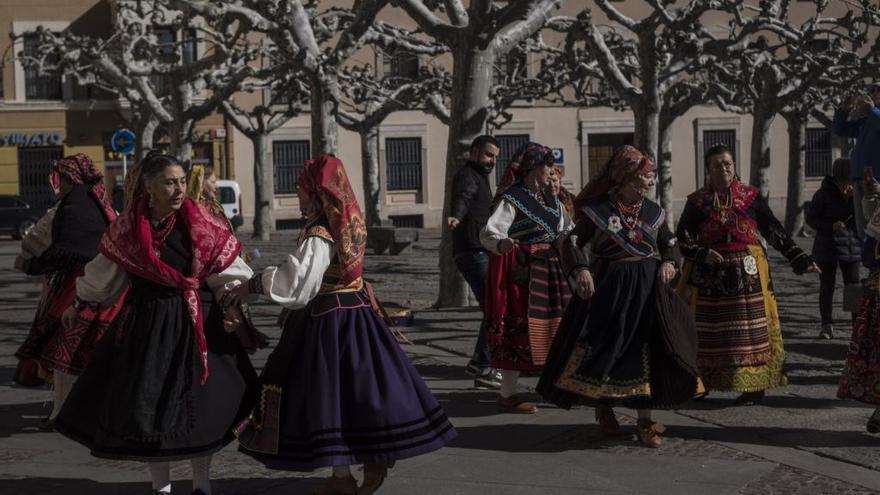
x: 801, y: 440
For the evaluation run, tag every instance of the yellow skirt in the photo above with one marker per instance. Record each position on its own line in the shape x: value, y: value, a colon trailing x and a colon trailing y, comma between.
x: 745, y: 378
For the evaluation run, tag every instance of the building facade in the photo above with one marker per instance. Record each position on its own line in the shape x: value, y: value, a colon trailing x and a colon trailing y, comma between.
x: 46, y: 117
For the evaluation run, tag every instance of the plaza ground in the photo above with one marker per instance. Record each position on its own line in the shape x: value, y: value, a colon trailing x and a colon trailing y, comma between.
x: 801, y: 440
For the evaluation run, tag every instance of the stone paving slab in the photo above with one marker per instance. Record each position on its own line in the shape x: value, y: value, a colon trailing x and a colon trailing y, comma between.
x: 802, y: 440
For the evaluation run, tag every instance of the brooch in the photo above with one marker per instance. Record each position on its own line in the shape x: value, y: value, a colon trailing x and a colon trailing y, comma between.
x: 614, y: 224
x: 750, y: 265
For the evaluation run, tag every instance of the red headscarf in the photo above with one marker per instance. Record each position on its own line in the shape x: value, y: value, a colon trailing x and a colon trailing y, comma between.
x: 80, y: 169
x: 527, y: 158
x: 132, y: 243
x: 325, y: 182
x: 625, y: 161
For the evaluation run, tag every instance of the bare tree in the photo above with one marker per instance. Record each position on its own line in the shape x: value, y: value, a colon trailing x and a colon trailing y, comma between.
x: 793, y: 69
x: 654, y: 66
x: 153, y: 60
x: 371, y: 100
x: 478, y: 37
x: 282, y: 96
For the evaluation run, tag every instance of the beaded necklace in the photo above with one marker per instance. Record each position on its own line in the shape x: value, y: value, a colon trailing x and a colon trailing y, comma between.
x: 629, y: 213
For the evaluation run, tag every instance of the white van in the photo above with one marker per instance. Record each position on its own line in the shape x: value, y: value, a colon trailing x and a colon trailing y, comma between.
x: 229, y: 195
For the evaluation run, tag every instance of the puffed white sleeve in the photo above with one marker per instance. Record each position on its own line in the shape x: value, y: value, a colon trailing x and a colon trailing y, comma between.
x: 298, y: 280
x: 101, y: 282
x: 497, y: 226
x: 238, y: 270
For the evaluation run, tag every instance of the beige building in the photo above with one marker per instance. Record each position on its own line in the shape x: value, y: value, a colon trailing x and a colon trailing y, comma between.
x: 42, y: 118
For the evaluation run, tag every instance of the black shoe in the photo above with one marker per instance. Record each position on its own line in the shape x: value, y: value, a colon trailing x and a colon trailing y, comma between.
x: 873, y: 425
x: 488, y: 379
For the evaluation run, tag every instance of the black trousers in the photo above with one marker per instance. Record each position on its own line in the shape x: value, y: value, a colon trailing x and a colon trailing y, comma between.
x: 828, y: 280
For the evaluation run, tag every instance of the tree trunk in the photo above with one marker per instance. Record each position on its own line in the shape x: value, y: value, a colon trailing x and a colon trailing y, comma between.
x: 762, y: 121
x: 323, y: 108
x: 180, y: 140
x: 647, y: 135
x: 264, y: 187
x: 144, y: 131
x: 472, y: 76
x: 370, y: 165
x: 664, y: 174
x: 797, y: 154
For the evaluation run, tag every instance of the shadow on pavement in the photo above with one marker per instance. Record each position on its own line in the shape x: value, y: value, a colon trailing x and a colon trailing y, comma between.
x: 66, y: 486
x: 22, y: 418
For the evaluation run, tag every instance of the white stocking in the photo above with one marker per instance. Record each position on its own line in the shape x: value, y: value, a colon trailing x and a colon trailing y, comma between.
x: 61, y: 383
x: 508, y: 382
x: 201, y: 469
x: 160, y: 476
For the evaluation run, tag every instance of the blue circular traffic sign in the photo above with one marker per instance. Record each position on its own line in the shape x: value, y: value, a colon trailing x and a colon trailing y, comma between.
x: 122, y: 141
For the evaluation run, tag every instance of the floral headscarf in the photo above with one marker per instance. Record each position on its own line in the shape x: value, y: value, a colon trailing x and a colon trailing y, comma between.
x: 625, y: 161
x: 79, y: 169
x: 325, y: 182
x: 527, y: 158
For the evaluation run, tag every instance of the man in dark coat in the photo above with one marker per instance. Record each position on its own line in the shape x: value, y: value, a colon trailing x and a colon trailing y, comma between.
x: 470, y: 210
x: 837, y: 244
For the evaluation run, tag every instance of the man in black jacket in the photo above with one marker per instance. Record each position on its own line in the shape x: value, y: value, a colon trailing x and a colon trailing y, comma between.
x: 470, y: 211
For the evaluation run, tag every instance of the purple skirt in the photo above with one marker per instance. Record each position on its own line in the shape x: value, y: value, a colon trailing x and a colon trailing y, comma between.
x: 338, y: 391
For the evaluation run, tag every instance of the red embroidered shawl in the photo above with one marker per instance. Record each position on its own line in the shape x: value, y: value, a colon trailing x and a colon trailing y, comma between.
x: 130, y: 243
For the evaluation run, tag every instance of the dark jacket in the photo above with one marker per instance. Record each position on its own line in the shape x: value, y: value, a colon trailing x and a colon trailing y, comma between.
x: 472, y: 205
x: 829, y: 205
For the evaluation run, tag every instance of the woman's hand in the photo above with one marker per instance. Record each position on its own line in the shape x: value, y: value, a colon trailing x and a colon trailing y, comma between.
x: 68, y: 318
x: 235, y: 293
x: 232, y: 318
x: 584, y: 285
x: 666, y: 272
x: 813, y: 268
x: 505, y: 245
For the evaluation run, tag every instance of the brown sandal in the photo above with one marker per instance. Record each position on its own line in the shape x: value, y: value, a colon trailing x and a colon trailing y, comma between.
x: 607, y: 420
x: 516, y: 405
x: 649, y: 433
x: 374, y: 476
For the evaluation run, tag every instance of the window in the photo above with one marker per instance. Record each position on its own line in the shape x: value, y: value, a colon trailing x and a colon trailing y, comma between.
x: 508, y: 146
x: 512, y: 66
x: 818, y: 159
x: 400, y: 64
x: 403, y: 157
x: 190, y: 46
x: 726, y: 137
x: 203, y: 154
x: 34, y: 167
x: 40, y: 86
x: 288, y: 159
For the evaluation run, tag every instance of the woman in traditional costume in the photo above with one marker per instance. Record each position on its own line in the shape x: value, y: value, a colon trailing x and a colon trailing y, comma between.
x: 861, y: 373
x: 526, y: 290
x: 566, y: 198
x: 337, y: 390
x: 166, y: 382
x: 80, y: 219
x: 627, y: 339
x: 726, y: 281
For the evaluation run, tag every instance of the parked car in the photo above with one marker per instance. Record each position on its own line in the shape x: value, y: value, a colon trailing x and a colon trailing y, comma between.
x: 17, y: 216
x: 229, y: 194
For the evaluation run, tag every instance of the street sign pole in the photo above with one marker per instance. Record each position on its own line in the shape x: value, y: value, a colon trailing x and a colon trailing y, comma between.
x: 122, y: 142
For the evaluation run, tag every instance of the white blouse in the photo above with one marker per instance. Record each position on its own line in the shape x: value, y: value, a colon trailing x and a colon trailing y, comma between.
x: 103, y: 279
x: 501, y: 220
x: 298, y: 280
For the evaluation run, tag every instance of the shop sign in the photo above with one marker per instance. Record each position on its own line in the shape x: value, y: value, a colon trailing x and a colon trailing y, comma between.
x: 34, y: 139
